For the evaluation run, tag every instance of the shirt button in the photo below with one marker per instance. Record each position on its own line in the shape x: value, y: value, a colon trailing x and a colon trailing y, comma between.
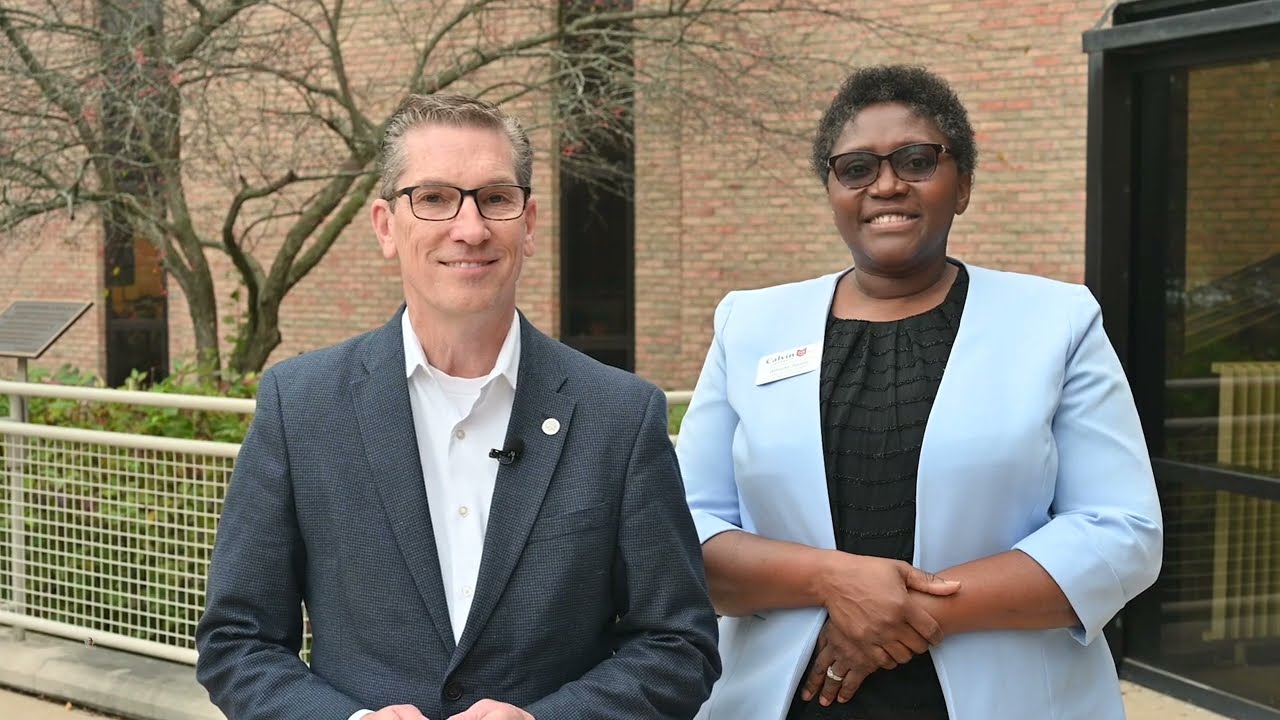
x: 460, y: 434
x: 463, y: 511
x: 467, y: 591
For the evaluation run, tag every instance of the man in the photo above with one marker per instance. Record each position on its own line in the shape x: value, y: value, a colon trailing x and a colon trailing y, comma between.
x: 482, y: 523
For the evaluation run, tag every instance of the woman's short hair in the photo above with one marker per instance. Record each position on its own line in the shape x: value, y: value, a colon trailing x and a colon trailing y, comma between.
x: 927, y: 94
x: 452, y: 111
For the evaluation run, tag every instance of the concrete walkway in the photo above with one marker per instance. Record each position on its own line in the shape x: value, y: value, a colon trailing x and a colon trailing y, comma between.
x: 1141, y: 704
x: 39, y: 674
x: 14, y: 706
x: 117, y: 683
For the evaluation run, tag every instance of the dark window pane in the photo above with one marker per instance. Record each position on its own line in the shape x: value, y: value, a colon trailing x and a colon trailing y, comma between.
x: 1223, y: 287
x: 1219, y: 593
x: 137, y: 333
x: 1210, y: 210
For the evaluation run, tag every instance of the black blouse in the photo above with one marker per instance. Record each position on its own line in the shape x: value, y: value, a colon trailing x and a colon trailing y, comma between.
x: 877, y: 387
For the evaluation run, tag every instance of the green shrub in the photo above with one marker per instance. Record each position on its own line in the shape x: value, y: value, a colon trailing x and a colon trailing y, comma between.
x: 141, y: 420
x: 123, y: 536
x: 169, y: 422
x: 116, y: 534
x: 675, y: 415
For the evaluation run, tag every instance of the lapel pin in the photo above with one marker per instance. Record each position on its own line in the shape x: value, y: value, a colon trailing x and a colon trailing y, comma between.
x: 550, y: 426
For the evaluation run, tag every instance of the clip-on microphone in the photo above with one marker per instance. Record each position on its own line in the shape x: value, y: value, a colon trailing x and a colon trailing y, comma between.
x: 508, y: 455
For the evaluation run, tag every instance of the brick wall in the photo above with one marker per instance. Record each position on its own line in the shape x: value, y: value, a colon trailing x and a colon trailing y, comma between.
x: 716, y: 208
x: 234, y: 130
x: 57, y: 258
x: 354, y: 289
x: 740, y: 215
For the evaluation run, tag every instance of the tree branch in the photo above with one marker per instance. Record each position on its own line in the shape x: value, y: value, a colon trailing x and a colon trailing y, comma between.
x: 360, y: 126
x: 277, y: 282
x: 329, y: 233
x: 55, y: 88
x: 415, y: 83
x: 20, y: 213
x: 208, y: 23
x: 249, y: 268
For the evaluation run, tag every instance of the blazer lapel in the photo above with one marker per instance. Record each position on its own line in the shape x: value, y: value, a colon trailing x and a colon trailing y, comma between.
x: 810, y: 485
x: 963, y: 379
x: 391, y: 446
x: 521, y: 485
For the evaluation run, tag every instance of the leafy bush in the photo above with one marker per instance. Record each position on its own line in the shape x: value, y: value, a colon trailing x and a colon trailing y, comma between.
x: 141, y: 420
x: 119, y: 539
x: 167, y: 422
x: 675, y: 414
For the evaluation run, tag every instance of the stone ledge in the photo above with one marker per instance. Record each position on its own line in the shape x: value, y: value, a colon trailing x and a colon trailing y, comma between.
x: 111, y: 681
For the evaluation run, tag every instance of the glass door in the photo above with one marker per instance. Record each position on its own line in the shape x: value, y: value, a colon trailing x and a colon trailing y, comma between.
x: 1205, y: 326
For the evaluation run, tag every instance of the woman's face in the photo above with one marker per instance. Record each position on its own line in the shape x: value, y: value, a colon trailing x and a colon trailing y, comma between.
x: 894, y: 227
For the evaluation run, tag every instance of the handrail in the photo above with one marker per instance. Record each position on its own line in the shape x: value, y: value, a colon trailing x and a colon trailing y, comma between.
x: 24, y: 608
x: 117, y: 439
x: 679, y: 397
x: 90, y: 636
x: 128, y: 397
x: 175, y: 400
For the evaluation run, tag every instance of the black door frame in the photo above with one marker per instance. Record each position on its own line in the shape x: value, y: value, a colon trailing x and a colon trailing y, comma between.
x: 1153, y: 35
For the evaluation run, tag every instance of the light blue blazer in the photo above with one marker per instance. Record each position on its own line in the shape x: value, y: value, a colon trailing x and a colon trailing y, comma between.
x: 1033, y: 443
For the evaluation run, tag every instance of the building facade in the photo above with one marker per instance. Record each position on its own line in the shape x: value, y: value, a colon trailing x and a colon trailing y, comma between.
x: 714, y: 209
x: 1145, y: 166
x: 1183, y: 252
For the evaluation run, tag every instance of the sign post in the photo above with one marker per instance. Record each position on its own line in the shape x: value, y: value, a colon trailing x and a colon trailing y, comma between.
x: 27, y: 329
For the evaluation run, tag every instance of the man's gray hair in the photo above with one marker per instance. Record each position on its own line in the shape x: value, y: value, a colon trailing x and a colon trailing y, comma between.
x: 453, y: 111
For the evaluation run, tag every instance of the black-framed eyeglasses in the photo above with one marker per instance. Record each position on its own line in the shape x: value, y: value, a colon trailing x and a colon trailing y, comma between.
x: 444, y: 202
x: 911, y: 163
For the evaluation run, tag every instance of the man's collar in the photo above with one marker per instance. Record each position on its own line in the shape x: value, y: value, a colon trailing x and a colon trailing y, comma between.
x: 507, y: 364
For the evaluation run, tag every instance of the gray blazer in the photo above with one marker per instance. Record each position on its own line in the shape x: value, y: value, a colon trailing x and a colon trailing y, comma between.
x: 591, y: 601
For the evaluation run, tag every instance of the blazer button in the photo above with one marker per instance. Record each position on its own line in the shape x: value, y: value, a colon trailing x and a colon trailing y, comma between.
x: 453, y: 691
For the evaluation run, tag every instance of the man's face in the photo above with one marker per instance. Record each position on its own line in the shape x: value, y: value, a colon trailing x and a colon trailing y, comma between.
x: 467, y: 266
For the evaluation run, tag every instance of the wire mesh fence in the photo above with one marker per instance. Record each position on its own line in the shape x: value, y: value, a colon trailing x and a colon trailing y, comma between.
x: 106, y: 537
x: 116, y: 531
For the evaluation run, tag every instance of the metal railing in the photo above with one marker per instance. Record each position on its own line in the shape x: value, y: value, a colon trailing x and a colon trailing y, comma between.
x: 105, y: 537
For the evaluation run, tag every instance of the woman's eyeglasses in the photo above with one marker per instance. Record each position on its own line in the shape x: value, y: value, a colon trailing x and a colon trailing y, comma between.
x: 911, y: 163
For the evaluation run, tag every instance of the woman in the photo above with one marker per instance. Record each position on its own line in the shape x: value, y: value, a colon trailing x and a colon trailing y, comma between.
x: 827, y: 456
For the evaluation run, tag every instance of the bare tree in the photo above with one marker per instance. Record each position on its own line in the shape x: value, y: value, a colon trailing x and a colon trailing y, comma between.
x: 249, y: 128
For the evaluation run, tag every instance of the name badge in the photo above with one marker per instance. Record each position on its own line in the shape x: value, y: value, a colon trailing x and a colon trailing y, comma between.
x: 788, y: 363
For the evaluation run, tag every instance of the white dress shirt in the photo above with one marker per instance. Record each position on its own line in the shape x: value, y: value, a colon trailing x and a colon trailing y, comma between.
x: 457, y: 422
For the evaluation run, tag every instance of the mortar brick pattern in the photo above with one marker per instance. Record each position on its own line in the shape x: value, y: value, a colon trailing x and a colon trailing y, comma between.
x: 715, y: 211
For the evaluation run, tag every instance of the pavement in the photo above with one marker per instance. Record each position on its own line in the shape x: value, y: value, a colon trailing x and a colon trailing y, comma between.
x: 115, y: 683
x: 1143, y: 704
x: 39, y: 675
x: 15, y: 706
x: 1140, y: 703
